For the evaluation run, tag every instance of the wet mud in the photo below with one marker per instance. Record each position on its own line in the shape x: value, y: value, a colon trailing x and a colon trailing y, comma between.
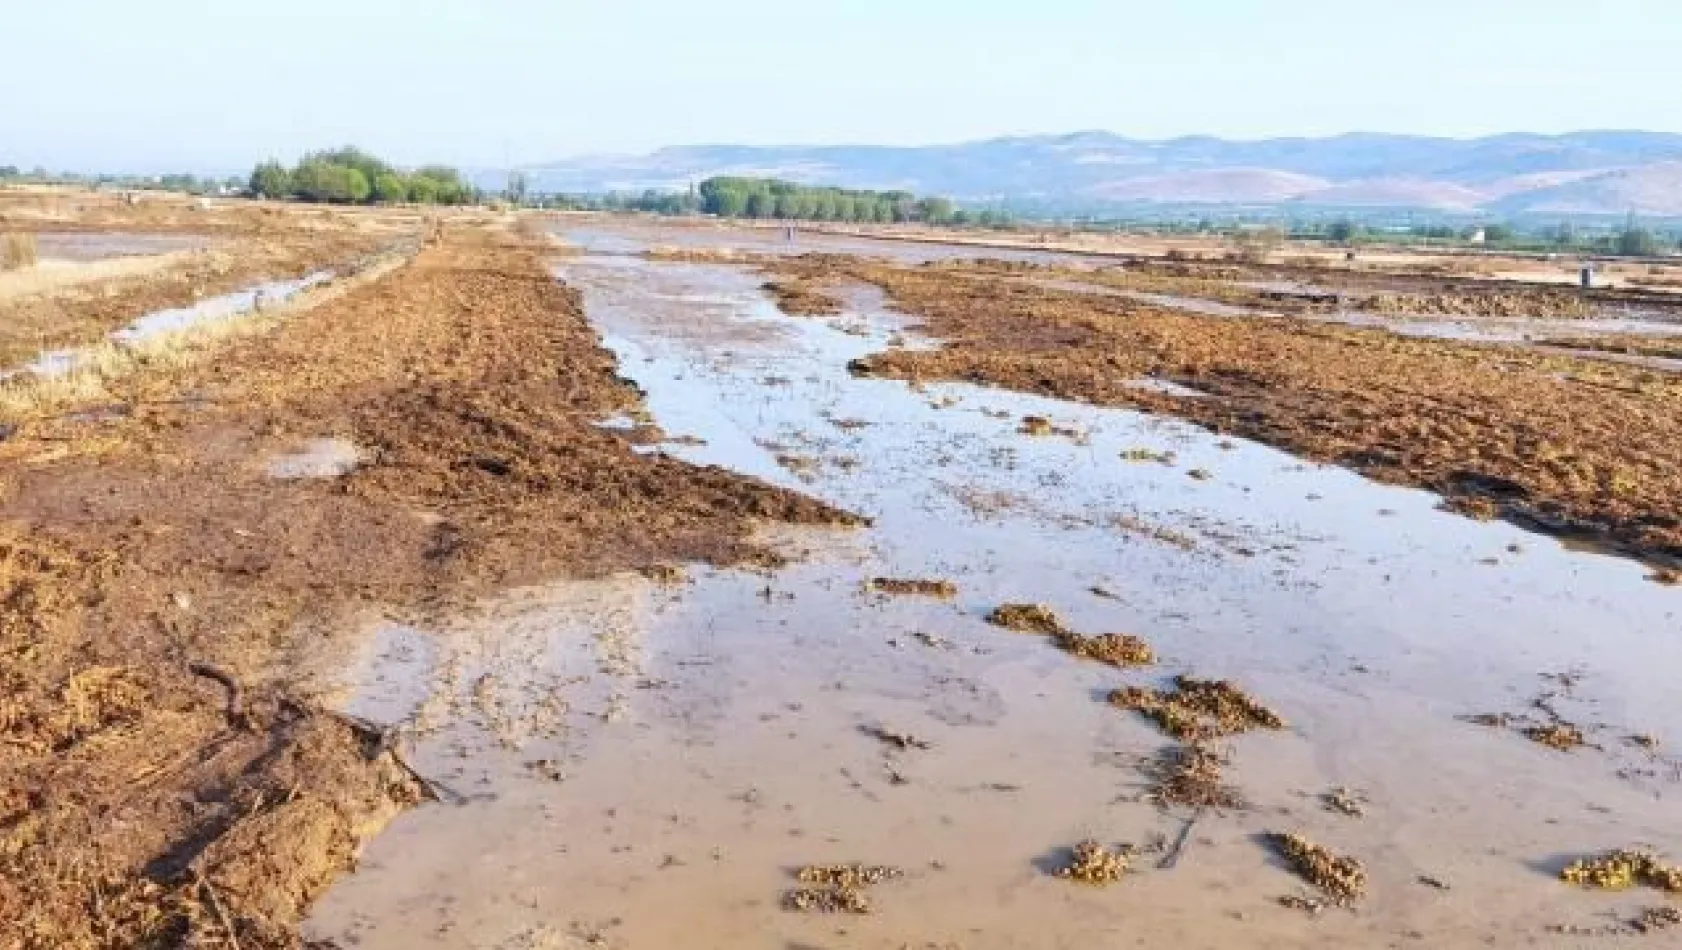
x: 629, y: 764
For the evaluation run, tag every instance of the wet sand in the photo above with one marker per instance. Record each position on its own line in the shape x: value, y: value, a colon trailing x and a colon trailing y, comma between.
x: 637, y: 762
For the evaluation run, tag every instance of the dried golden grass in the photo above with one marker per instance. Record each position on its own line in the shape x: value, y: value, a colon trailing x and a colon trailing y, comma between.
x: 18, y: 251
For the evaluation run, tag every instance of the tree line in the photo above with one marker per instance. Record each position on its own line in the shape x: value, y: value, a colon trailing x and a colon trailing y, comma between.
x: 352, y: 176
x: 735, y: 197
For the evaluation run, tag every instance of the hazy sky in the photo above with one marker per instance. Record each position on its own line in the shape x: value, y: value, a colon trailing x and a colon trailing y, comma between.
x: 206, y: 84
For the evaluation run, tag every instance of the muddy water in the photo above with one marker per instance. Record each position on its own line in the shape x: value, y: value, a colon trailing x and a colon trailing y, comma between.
x: 176, y: 319
x: 630, y: 764
x: 101, y: 246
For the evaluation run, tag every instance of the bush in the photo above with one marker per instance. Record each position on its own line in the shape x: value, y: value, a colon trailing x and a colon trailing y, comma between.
x: 18, y: 251
x: 351, y: 176
x: 326, y: 182
x: 271, y: 180
x: 390, y: 188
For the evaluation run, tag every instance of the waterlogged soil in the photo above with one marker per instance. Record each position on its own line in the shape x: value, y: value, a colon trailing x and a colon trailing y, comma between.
x: 1581, y: 448
x: 650, y: 759
x: 81, y: 314
x: 177, y: 574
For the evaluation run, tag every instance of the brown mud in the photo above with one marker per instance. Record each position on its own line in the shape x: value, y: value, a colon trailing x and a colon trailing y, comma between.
x: 1572, y: 447
x: 169, y: 777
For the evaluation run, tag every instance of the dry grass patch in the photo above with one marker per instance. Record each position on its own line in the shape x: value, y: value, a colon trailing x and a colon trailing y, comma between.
x: 18, y: 251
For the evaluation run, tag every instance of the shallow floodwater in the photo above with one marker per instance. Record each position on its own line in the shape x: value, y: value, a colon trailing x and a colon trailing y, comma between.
x: 631, y: 764
x: 89, y: 246
x: 176, y: 319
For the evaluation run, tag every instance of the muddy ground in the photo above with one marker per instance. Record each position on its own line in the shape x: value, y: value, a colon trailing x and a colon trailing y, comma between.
x: 639, y: 612
x: 166, y: 779
x: 1575, y: 447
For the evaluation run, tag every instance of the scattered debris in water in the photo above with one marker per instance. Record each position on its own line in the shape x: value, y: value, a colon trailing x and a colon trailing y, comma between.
x: 1312, y: 906
x: 1341, y: 878
x: 1094, y: 864
x: 1344, y: 802
x: 1561, y: 736
x: 803, y: 466
x: 1198, y: 709
x: 1103, y: 592
x: 1200, y: 474
x: 1667, y: 577
x: 899, y: 740
x: 1435, y: 883
x: 1041, y: 426
x: 1149, y: 455
x: 836, y: 888
x: 1027, y: 618
x: 943, y: 589
x: 1190, y: 776
x: 1115, y: 649
x: 1622, y: 870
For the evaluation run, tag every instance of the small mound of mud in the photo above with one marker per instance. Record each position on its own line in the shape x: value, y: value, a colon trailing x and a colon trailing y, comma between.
x: 1536, y: 304
x: 1561, y: 736
x: 1094, y: 864
x: 1027, y: 618
x: 1198, y: 709
x: 1115, y: 649
x: 1341, y: 878
x: 942, y: 589
x: 802, y: 297
x: 1622, y: 870
x: 836, y: 888
x: 1190, y: 776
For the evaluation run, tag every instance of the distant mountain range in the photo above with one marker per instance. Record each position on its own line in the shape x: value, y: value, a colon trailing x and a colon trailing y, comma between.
x: 1579, y: 173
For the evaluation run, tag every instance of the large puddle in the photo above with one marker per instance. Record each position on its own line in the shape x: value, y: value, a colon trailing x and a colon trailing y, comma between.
x: 631, y: 764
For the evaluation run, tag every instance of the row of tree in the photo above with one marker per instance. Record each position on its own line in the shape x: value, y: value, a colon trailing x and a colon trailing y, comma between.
x: 732, y: 197
x: 352, y: 176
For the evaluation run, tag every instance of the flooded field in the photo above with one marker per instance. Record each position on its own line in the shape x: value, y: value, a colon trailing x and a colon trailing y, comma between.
x: 83, y: 246
x: 646, y: 760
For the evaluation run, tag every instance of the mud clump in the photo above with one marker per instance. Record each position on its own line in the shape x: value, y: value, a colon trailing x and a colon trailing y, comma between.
x: 1561, y: 736
x: 1027, y: 618
x: 1198, y: 709
x: 802, y: 297
x: 1115, y: 649
x: 902, y: 587
x: 1622, y: 870
x: 1190, y: 776
x: 1093, y: 864
x: 836, y: 888
x: 1341, y: 878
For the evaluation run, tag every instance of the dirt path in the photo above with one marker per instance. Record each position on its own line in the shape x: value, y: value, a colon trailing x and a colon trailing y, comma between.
x: 168, y: 599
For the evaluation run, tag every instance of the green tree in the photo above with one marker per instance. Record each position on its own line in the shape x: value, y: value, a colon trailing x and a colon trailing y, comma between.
x: 1342, y: 231
x: 935, y: 210
x: 1636, y: 241
x: 390, y: 188
x: 423, y: 190
x: 271, y: 180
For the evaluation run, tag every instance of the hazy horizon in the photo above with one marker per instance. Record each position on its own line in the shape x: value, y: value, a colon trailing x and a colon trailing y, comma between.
x: 186, y: 85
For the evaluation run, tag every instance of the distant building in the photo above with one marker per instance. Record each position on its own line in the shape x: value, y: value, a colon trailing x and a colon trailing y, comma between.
x: 1478, y: 236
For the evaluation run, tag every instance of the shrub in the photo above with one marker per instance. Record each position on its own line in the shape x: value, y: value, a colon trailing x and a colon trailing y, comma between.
x: 390, y: 188
x: 18, y: 251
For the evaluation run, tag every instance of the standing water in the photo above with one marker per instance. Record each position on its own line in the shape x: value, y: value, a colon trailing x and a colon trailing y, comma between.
x: 640, y: 765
